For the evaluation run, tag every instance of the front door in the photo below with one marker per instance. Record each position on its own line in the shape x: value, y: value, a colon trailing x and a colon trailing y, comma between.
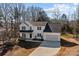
x: 23, y: 35
x: 30, y: 35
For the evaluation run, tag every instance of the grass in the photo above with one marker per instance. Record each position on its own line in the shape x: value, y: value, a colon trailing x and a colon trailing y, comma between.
x: 70, y: 35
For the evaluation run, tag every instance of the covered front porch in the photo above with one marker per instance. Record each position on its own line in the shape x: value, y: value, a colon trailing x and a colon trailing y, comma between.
x: 28, y: 35
x: 31, y: 39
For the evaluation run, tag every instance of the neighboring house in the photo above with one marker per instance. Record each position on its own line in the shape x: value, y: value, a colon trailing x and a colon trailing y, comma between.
x: 40, y: 30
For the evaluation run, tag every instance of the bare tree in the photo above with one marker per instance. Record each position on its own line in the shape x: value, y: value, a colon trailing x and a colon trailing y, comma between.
x: 56, y: 13
x: 5, y: 11
x: 5, y: 14
x: 15, y: 14
x: 11, y: 14
x: 36, y: 14
x: 77, y: 22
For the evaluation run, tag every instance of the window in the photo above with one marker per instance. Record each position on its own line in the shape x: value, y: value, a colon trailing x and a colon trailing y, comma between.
x: 23, y: 27
x: 39, y: 34
x: 38, y: 28
x: 23, y: 35
x: 30, y: 28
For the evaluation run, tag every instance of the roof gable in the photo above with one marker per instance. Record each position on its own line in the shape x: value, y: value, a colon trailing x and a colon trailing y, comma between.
x: 52, y: 27
x: 47, y: 28
x: 55, y: 27
x: 25, y: 24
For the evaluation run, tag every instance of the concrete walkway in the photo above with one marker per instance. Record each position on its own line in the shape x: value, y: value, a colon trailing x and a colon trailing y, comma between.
x: 47, y: 48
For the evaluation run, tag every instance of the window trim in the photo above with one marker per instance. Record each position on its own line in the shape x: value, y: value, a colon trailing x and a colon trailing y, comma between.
x: 38, y: 28
x: 39, y: 34
x: 23, y: 28
x: 23, y: 35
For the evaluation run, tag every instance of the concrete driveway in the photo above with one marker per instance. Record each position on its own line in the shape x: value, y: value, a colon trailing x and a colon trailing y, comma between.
x: 47, y: 48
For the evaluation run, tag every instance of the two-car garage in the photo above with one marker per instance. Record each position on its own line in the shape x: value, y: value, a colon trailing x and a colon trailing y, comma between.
x: 52, y: 32
x: 52, y: 36
x: 51, y: 39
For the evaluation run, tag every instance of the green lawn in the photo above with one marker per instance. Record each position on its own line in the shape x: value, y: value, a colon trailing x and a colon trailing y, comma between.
x: 70, y: 35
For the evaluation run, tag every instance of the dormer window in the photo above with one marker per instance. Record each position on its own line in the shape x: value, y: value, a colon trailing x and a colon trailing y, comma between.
x: 38, y: 28
x: 23, y: 28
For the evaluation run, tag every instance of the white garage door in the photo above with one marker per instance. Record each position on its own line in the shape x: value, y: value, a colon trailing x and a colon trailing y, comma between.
x: 52, y: 36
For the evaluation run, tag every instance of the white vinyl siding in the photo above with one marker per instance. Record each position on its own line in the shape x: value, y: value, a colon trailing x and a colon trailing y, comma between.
x: 23, y: 28
x: 35, y: 32
x: 52, y: 36
x: 38, y: 28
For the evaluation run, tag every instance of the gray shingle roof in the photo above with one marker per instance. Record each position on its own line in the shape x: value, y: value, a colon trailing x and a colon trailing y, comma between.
x: 38, y: 23
x: 53, y: 27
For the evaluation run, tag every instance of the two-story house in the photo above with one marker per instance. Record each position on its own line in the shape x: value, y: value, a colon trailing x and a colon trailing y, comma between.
x: 40, y: 30
x: 32, y: 30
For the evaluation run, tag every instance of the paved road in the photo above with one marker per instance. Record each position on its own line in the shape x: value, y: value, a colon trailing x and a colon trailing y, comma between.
x: 47, y: 48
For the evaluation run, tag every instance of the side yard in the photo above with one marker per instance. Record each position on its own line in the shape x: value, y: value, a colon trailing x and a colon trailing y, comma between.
x: 69, y: 46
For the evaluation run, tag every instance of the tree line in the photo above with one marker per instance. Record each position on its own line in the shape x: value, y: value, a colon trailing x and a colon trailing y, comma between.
x: 68, y: 26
